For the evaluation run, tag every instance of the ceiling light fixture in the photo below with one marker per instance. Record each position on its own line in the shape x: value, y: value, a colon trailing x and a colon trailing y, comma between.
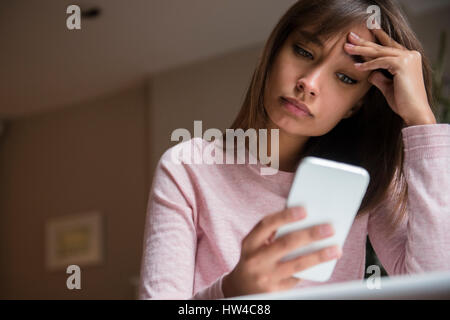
x: 91, y: 13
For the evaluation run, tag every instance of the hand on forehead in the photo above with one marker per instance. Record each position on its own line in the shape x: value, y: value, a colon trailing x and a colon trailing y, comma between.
x: 362, y: 31
x: 343, y: 35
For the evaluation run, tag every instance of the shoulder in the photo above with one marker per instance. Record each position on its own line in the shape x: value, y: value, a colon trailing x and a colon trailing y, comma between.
x: 174, y: 175
x: 184, y: 153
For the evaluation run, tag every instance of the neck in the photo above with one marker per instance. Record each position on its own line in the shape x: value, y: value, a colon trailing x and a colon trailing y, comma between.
x: 290, y: 148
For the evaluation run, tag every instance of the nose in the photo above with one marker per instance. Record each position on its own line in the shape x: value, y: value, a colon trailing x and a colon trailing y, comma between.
x: 309, y: 83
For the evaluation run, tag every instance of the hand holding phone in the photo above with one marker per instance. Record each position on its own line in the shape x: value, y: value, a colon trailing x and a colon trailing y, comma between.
x: 259, y: 269
x: 262, y: 266
x: 331, y: 192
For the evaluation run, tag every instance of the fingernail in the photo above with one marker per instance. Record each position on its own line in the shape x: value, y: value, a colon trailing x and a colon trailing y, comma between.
x: 333, y: 252
x: 299, y: 213
x: 349, y: 45
x: 358, y: 64
x: 325, y: 230
x: 354, y: 35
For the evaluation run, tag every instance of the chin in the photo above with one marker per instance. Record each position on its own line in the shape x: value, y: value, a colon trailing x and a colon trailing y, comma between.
x: 288, y: 125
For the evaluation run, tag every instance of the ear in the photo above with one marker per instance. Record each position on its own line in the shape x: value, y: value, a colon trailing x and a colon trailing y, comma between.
x: 353, y: 110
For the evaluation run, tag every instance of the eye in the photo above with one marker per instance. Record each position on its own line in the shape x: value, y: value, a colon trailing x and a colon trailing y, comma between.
x: 299, y: 50
x: 346, y: 79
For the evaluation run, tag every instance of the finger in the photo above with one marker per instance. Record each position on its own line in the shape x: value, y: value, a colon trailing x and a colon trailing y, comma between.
x: 268, y: 225
x: 388, y: 63
x: 290, y: 267
x: 293, y: 240
x: 383, y: 50
x: 353, y: 38
x: 370, y: 52
x: 386, y: 40
x: 289, y: 283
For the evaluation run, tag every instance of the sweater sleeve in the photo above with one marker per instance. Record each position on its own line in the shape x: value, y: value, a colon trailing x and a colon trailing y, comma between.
x: 170, y: 237
x: 421, y: 242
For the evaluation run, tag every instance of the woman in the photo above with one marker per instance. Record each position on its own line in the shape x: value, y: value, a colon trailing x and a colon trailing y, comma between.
x: 210, y: 228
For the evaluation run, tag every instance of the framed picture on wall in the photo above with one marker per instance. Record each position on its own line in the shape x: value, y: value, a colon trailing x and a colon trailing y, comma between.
x: 75, y: 239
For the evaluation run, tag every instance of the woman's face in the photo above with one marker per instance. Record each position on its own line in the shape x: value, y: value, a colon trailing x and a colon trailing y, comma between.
x: 320, y: 75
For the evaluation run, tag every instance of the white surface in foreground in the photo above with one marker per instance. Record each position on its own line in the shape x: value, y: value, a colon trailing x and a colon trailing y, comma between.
x: 433, y: 285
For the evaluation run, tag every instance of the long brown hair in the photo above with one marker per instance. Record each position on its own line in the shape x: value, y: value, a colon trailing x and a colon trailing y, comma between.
x: 371, y: 137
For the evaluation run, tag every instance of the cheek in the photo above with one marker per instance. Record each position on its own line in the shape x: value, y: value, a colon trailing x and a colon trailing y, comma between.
x: 334, y: 103
x: 276, y: 82
x: 286, y: 72
x: 333, y: 106
x: 340, y: 100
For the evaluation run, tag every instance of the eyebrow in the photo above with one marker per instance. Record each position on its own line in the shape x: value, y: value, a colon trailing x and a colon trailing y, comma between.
x: 310, y: 37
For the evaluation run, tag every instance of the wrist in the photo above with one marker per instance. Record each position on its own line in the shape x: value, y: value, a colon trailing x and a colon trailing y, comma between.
x: 428, y: 119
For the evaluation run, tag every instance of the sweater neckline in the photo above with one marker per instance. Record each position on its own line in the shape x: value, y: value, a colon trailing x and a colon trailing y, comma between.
x: 255, y: 165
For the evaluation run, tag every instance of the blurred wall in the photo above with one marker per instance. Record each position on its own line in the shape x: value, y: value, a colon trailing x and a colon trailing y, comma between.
x: 86, y: 157
x: 101, y: 155
x: 211, y: 90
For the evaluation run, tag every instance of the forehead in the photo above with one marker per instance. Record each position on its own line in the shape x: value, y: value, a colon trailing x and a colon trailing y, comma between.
x: 339, y: 35
x: 362, y: 31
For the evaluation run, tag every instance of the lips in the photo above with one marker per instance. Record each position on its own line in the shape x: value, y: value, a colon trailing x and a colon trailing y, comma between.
x: 298, y: 104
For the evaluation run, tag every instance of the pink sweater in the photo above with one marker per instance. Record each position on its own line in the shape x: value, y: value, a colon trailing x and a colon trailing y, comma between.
x: 198, y: 214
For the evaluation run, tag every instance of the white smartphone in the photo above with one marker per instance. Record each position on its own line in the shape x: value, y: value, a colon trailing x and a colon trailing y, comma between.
x: 331, y: 192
